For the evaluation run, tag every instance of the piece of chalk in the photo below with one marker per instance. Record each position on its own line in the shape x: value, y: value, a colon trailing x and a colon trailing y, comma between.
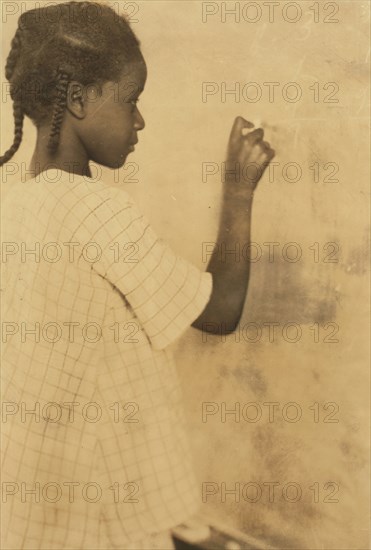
x: 256, y: 124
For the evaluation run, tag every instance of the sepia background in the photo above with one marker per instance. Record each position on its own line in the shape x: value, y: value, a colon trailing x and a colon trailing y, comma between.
x: 315, y: 363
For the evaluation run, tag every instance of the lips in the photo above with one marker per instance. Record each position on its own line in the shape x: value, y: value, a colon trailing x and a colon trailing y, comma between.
x: 131, y: 147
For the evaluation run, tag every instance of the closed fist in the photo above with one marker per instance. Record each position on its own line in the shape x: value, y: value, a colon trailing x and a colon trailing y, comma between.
x: 248, y: 154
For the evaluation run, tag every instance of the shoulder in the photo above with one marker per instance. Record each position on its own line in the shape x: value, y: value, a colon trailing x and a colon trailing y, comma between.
x: 84, y: 196
x: 79, y: 189
x: 99, y: 211
x: 56, y: 187
x: 78, y: 204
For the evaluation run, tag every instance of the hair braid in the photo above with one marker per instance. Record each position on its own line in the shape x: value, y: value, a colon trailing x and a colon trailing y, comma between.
x: 59, y: 109
x: 18, y: 114
x: 18, y: 132
x: 13, y: 55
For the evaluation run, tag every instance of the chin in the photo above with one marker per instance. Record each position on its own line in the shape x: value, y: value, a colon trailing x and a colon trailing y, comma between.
x: 120, y: 162
x: 111, y: 157
x: 113, y: 163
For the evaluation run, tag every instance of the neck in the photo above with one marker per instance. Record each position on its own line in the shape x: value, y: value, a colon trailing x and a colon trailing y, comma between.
x: 70, y: 156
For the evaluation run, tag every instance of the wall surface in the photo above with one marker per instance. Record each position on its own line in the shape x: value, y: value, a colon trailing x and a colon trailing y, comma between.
x: 302, y: 339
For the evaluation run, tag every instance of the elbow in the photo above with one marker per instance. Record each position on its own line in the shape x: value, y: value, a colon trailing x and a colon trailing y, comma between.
x: 222, y: 328
x: 231, y: 327
x: 222, y: 321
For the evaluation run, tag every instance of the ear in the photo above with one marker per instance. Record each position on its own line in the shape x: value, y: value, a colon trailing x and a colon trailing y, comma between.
x: 76, y: 100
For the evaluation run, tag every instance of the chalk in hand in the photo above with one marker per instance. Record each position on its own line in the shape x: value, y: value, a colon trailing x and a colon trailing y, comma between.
x: 246, y: 131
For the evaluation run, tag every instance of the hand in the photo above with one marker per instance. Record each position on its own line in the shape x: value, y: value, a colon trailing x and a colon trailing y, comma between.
x: 248, y: 155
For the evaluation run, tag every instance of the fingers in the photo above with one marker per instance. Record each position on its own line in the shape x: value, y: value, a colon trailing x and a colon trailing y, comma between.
x: 267, y: 154
x: 239, y: 125
x: 255, y: 136
x: 248, y: 146
x: 270, y: 153
x: 261, y: 151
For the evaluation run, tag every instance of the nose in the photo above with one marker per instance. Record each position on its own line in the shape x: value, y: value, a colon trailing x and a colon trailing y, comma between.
x: 139, y: 123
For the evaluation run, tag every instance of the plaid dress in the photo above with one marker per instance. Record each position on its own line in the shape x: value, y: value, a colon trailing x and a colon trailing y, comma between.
x: 93, y: 431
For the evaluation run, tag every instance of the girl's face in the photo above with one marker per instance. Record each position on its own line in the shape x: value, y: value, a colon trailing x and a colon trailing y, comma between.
x: 110, y: 128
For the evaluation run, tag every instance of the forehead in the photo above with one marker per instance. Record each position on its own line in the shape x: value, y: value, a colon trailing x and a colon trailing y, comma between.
x: 134, y: 76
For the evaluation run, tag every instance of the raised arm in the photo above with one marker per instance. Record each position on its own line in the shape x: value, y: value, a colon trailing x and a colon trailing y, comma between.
x: 247, y: 158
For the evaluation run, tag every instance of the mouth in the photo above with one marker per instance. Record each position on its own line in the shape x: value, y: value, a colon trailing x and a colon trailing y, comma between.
x: 132, y: 146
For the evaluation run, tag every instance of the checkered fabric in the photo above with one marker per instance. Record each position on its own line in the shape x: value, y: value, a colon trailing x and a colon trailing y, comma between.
x: 94, y: 445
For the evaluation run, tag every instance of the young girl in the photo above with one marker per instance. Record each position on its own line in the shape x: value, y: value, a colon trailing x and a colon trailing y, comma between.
x: 95, y: 453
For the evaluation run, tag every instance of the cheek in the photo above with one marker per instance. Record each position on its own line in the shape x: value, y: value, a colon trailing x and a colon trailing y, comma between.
x: 111, y: 143
x: 116, y: 129
x: 108, y: 134
x: 111, y: 118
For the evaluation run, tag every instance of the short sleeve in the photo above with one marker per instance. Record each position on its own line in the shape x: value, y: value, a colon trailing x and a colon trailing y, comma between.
x: 166, y: 292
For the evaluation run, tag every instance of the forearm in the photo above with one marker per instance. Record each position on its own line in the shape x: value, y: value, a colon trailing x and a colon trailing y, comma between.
x: 229, y: 263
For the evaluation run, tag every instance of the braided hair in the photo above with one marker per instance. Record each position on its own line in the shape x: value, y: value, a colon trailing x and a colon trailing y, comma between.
x: 60, y: 105
x: 17, y: 104
x: 85, y: 42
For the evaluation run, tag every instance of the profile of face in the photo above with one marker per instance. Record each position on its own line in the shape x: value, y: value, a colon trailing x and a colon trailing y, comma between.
x: 109, y: 123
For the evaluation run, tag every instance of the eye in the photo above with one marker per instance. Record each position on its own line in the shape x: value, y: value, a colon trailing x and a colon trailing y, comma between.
x: 134, y: 102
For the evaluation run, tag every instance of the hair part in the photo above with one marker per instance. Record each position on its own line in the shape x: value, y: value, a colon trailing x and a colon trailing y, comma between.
x: 84, y: 42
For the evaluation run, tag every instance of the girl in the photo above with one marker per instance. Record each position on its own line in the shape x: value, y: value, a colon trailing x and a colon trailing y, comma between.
x: 95, y: 452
